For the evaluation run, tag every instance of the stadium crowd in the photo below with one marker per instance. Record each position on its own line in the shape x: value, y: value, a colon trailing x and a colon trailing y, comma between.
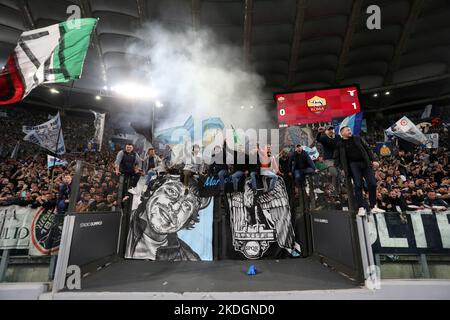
x: 408, y: 177
x: 26, y: 180
x: 405, y: 179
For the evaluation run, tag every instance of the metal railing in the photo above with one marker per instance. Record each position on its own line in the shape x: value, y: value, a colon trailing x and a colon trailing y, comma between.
x: 75, y: 220
x: 325, y: 204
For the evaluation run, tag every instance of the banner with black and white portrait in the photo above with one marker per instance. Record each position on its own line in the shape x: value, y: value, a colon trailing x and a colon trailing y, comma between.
x: 169, y: 222
x: 261, y: 224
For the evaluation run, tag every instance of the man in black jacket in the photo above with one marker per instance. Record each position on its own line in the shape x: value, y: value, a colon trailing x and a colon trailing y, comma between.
x: 328, y: 139
x: 286, y: 172
x: 301, y: 165
x: 397, y: 203
x: 64, y: 191
x: 219, y: 165
x: 354, y: 156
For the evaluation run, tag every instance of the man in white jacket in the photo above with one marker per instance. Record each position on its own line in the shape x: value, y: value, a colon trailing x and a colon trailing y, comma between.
x: 269, y: 166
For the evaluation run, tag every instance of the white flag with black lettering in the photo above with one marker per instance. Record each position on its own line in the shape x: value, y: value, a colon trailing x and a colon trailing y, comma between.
x: 47, y: 135
x: 99, y: 124
x: 405, y: 129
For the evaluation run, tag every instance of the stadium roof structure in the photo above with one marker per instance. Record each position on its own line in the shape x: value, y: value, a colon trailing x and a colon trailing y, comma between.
x: 293, y: 44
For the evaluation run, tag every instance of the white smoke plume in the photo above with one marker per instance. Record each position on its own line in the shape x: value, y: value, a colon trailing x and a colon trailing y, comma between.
x: 196, y: 75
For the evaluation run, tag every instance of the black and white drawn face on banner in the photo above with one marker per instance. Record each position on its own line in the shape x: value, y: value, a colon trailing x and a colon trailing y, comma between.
x: 169, y: 209
x: 159, y: 214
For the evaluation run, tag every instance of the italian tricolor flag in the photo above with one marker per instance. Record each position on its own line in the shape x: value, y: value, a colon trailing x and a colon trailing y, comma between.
x: 54, y: 54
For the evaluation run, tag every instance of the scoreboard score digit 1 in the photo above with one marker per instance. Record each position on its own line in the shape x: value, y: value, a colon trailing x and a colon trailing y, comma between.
x: 316, y: 105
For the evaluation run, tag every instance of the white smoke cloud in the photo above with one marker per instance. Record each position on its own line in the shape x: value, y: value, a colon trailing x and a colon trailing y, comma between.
x: 196, y: 75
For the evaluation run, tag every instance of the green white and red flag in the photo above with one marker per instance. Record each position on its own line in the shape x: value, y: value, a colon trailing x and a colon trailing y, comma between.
x: 54, y: 54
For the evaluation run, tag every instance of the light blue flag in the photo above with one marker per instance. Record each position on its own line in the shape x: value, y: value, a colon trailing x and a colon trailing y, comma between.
x: 313, y: 153
x: 189, y: 126
x: 166, y: 136
x: 53, y: 161
x: 353, y: 121
x: 169, y: 136
x: 212, y: 123
x: 200, y: 238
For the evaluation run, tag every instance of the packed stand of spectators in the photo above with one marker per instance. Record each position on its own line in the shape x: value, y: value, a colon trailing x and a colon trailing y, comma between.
x: 393, y: 176
x: 27, y: 182
x: 412, y: 179
x: 405, y: 180
x: 25, y: 179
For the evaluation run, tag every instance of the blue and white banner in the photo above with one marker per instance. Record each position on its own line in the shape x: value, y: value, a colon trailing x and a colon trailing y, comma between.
x: 200, y: 237
x: 174, y: 135
x: 313, y: 153
x: 211, y: 128
x: 405, y: 129
x: 425, y: 232
x: 212, y: 123
x: 55, y: 162
x: 353, y: 121
x: 47, y: 135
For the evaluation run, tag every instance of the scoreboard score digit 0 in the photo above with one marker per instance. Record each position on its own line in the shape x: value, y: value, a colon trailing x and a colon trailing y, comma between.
x: 316, y: 106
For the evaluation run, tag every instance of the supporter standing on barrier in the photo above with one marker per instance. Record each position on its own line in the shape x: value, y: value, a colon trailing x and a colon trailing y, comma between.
x: 328, y: 139
x: 152, y: 165
x: 240, y: 164
x: 354, y: 156
x: 253, y: 168
x: 64, y: 194
x: 285, y: 170
x: 301, y: 165
x: 127, y: 163
x: 218, y: 165
x: 193, y: 164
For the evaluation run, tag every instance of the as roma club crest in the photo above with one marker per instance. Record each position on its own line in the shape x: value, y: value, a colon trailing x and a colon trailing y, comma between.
x: 385, y: 151
x: 317, y: 104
